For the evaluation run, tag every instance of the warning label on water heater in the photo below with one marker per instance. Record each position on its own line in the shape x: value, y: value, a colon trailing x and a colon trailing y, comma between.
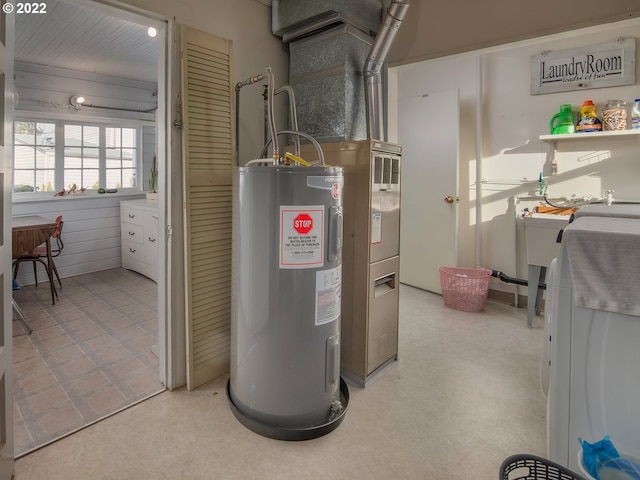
x: 301, y: 236
x: 328, y: 290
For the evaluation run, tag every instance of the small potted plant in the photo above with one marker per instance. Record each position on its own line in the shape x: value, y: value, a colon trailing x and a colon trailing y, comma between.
x: 152, y: 194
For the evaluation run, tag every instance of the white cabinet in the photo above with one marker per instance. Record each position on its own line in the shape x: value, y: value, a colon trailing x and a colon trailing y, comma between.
x: 139, y: 230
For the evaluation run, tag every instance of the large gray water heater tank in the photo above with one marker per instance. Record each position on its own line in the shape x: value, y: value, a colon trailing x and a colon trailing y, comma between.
x: 285, y: 313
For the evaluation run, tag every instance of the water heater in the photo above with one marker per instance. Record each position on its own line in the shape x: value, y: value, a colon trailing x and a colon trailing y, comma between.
x: 286, y: 300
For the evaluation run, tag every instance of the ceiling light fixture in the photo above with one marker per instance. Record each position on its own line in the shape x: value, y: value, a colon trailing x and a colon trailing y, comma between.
x: 152, y: 32
x: 76, y: 101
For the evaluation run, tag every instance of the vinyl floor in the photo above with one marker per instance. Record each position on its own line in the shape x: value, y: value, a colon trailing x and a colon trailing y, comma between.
x: 464, y: 395
x: 90, y: 355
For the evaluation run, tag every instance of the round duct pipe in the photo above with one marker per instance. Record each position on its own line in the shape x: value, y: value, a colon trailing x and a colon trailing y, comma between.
x: 373, y: 67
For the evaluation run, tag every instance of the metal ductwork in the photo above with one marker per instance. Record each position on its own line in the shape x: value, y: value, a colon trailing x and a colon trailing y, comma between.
x: 337, y: 51
x: 373, y: 67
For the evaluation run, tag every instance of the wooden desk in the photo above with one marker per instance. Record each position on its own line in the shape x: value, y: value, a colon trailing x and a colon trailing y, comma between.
x: 29, y: 231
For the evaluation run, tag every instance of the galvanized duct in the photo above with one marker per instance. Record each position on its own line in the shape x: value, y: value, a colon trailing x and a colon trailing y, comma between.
x: 336, y: 63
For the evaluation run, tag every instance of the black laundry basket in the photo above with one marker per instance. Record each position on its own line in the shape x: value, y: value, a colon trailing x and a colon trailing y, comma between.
x: 530, y: 467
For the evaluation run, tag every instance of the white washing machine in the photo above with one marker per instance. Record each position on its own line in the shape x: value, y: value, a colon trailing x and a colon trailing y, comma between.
x: 594, y: 376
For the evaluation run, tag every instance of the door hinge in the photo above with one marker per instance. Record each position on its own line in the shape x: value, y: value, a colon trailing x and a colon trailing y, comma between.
x: 178, y: 121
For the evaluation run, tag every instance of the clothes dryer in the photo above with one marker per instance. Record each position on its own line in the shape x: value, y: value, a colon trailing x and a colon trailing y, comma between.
x: 595, y: 329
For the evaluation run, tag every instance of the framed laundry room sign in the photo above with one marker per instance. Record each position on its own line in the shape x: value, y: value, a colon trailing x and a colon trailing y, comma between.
x: 605, y: 65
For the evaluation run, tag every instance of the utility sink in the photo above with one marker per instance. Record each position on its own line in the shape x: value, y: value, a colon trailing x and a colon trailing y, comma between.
x: 541, y: 232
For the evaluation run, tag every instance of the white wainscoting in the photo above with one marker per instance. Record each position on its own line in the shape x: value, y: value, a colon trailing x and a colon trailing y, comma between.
x: 91, y: 233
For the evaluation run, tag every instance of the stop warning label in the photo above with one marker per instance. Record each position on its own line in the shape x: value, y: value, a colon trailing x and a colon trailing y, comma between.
x: 303, y: 223
x: 301, y: 236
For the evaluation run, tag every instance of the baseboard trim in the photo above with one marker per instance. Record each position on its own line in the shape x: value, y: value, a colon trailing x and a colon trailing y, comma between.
x: 507, y: 297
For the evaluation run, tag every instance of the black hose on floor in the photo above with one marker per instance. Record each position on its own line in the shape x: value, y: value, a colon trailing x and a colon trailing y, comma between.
x: 517, y: 281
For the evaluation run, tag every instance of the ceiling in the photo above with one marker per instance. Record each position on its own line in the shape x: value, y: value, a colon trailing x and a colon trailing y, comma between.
x: 75, y: 38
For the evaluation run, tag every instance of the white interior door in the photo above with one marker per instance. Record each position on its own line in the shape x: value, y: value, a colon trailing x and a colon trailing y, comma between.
x: 429, y: 131
x: 6, y: 141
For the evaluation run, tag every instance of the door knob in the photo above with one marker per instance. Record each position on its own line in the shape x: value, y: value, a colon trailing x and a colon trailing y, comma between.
x: 449, y: 199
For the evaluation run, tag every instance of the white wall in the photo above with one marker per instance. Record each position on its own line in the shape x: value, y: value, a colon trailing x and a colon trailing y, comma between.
x: 45, y: 91
x: 247, y: 23
x: 91, y: 233
x: 513, y: 155
x: 48, y: 90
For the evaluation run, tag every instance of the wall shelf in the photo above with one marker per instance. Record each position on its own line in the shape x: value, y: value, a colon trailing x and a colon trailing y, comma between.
x: 553, y: 140
x: 587, y: 135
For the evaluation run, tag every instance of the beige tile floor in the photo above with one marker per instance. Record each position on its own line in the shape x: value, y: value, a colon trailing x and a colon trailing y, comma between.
x: 89, y: 355
x: 464, y: 395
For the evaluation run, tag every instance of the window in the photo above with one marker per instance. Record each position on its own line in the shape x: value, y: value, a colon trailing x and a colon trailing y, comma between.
x: 51, y: 156
x: 34, y: 157
x: 121, y: 157
x: 82, y: 156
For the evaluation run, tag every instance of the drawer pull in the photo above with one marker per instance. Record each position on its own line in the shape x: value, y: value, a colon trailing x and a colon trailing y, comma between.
x: 131, y: 234
x: 152, y: 239
x: 132, y: 215
x: 132, y: 250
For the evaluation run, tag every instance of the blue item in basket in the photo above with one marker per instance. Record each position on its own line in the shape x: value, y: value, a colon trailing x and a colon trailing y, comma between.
x: 595, y: 454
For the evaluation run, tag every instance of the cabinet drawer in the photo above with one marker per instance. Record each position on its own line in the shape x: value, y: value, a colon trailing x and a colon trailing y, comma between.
x: 131, y: 215
x: 131, y: 233
x: 132, y: 251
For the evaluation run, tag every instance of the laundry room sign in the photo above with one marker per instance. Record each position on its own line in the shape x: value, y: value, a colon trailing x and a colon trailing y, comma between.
x: 605, y: 65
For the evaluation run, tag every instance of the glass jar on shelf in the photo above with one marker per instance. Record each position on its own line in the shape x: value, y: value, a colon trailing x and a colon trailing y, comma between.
x: 614, y: 115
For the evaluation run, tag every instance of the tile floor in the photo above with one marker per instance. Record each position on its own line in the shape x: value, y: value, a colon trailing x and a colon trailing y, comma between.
x: 89, y: 355
x: 464, y: 395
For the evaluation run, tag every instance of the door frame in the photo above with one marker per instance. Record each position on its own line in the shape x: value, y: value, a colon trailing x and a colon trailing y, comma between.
x: 7, y: 450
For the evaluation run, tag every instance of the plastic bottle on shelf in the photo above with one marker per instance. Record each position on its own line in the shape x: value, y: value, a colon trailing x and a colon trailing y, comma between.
x: 635, y: 114
x: 588, y: 121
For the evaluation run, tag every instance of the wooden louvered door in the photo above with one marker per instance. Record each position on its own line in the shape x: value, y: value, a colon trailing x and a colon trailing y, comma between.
x: 208, y: 154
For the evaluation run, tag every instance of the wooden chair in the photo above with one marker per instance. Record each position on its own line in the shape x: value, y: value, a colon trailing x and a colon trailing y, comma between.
x: 39, y: 254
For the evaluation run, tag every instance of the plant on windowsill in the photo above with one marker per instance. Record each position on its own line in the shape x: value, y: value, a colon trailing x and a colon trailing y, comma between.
x: 152, y: 194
